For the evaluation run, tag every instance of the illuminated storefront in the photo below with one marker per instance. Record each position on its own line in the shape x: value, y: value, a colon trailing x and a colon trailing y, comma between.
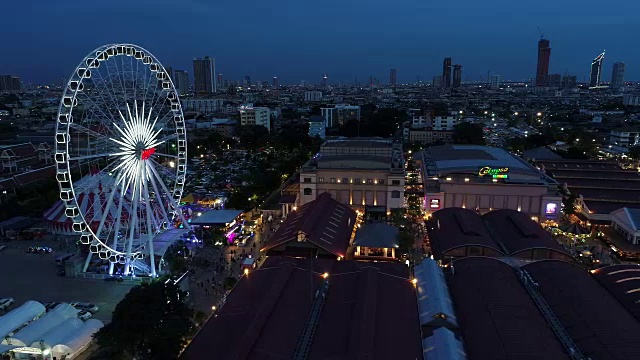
x: 482, y: 179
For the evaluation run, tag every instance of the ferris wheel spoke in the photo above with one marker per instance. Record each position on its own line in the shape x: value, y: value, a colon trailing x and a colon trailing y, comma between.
x: 172, y: 201
x: 165, y: 155
x: 159, y: 197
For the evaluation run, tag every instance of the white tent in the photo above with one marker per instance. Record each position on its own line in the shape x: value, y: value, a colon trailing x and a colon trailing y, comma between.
x: 57, y: 334
x: 20, y: 316
x: 77, y: 342
x: 35, y: 330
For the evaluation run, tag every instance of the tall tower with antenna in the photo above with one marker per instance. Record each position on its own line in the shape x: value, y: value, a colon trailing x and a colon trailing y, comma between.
x: 544, y: 53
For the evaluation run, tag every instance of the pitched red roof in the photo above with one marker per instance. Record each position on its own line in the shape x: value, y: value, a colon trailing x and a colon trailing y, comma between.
x: 497, y: 317
x: 325, y: 222
x: 456, y: 227
x: 18, y: 151
x: 517, y: 232
x: 370, y: 310
x: 598, y: 324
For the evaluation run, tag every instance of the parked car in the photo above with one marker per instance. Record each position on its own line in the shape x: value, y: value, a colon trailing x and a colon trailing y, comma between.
x: 5, y: 303
x: 84, y: 315
x: 51, y: 305
x: 117, y: 279
x: 2, y: 247
x: 85, y: 306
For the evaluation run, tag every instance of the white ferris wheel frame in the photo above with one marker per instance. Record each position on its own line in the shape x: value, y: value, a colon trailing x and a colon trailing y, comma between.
x: 68, y: 193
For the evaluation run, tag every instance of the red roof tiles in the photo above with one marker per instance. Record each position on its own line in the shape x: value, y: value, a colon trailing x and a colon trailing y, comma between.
x: 324, y: 222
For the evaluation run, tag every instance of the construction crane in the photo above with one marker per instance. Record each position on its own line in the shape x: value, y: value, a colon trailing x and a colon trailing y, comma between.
x: 540, y: 31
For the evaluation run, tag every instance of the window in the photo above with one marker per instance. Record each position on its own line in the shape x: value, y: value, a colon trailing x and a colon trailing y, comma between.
x: 333, y: 180
x: 307, y: 180
x: 307, y: 191
x: 395, y: 182
x: 345, y: 180
x: 357, y: 181
x: 381, y: 181
x: 369, y: 181
x: 395, y: 194
x: 321, y: 180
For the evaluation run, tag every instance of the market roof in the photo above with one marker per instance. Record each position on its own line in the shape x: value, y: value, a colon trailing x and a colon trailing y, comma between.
x: 450, y: 228
x: 541, y: 153
x: 498, y: 318
x: 216, y: 217
x: 324, y: 222
x: 598, y: 324
x: 517, y: 232
x: 265, y: 314
x: 377, y: 234
x: 623, y: 282
x: 449, y: 158
x: 630, y: 217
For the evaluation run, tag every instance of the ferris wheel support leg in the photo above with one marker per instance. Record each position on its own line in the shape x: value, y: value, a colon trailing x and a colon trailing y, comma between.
x: 150, y: 232
x: 175, y: 206
x: 87, y: 262
x: 134, y: 223
x: 117, y: 221
x: 155, y: 188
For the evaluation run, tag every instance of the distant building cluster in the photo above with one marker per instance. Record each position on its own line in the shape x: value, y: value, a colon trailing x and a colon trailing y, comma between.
x: 10, y: 83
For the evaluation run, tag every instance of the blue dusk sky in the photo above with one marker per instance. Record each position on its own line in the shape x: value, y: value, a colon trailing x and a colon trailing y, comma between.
x: 43, y: 40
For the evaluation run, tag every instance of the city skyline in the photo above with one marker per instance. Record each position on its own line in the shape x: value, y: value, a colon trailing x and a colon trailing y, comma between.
x: 293, y: 51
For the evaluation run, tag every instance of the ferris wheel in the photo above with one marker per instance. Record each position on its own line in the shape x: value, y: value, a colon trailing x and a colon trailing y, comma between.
x: 120, y: 136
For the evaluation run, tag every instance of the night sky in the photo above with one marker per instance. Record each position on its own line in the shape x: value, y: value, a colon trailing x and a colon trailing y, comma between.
x: 295, y: 40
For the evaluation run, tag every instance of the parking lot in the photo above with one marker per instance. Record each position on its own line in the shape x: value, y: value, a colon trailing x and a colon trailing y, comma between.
x: 33, y: 277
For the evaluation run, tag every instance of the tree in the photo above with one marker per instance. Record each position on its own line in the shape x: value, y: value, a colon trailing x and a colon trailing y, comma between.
x: 569, y: 204
x: 149, y: 323
x: 468, y: 133
x: 634, y: 152
x: 253, y: 136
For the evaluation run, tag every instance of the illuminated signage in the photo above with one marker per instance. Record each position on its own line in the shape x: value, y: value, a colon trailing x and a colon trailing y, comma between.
x: 146, y: 154
x: 434, y: 204
x: 496, y: 173
x: 551, y: 209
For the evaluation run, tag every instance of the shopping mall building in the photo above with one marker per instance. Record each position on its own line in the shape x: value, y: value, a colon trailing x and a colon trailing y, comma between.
x: 485, y: 178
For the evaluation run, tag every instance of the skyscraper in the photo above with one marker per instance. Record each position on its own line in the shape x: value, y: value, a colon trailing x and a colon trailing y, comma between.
x: 246, y: 81
x: 181, y: 81
x: 325, y: 80
x: 446, y: 73
x: 169, y: 71
x: 457, y: 75
x: 617, y: 79
x: 220, y: 81
x: 204, y: 70
x: 596, y: 70
x: 544, y: 52
x: 275, y: 82
x: 10, y: 83
x: 392, y: 77
x: 495, y: 82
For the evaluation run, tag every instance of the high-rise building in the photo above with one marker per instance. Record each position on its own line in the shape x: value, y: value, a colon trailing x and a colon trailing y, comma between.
x: 204, y: 70
x: 10, y: 83
x: 437, y: 81
x: 617, y: 79
x: 392, y: 77
x: 246, y: 81
x: 596, y: 71
x: 495, y: 82
x: 250, y: 115
x: 169, y: 71
x: 544, y: 52
x: 325, y: 80
x: 457, y: 75
x: 372, y: 81
x: 181, y: 81
x: 554, y: 80
x: 275, y: 82
x: 220, y: 81
x: 569, y: 81
x: 446, y: 73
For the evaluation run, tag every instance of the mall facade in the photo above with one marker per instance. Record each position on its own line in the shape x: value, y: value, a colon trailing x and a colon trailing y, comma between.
x: 484, y: 178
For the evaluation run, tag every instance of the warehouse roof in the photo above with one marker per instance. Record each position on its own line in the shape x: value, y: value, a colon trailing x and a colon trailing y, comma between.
x: 623, y: 282
x: 598, y: 324
x: 265, y: 314
x: 498, y: 318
